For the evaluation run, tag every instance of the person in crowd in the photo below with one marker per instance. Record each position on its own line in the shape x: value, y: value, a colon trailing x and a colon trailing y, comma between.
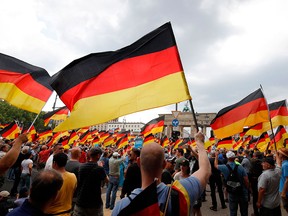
x: 113, y: 184
x: 83, y: 158
x: 184, y: 170
x: 89, y: 201
x: 26, y: 170
x: 215, y: 180
x: 133, y: 174
x: 73, y: 166
x: 8, y: 160
x: 235, y: 199
x: 62, y: 204
x: 179, y: 159
x: 43, y: 156
x: 151, y: 165
x: 4, y: 148
x: 282, y: 160
x: 168, y: 171
x: 268, y: 189
x: 22, y: 196
x: 105, y: 161
x: 246, y: 163
x: 57, y: 148
x: 6, y: 204
x: 73, y: 163
x: 44, y: 189
x: 255, y: 171
x: 17, y: 170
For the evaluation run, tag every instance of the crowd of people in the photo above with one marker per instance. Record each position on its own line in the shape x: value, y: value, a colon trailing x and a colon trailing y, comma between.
x: 70, y: 180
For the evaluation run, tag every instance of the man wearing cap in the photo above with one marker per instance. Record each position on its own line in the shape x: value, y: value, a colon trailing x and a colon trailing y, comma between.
x: 166, y: 176
x: 268, y: 186
x: 90, y: 176
x: 282, y: 160
x: 235, y: 199
x: 113, y: 184
x: 6, y: 204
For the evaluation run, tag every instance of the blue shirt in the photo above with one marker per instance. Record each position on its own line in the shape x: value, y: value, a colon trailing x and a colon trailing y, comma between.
x: 284, y: 175
x: 241, y: 173
x: 191, y: 184
x: 26, y: 209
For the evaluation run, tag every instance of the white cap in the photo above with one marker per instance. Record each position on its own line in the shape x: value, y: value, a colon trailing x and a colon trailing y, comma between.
x: 115, y: 154
x: 230, y: 154
x: 4, y: 194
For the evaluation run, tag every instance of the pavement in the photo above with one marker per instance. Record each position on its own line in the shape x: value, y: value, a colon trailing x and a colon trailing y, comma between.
x: 205, y: 209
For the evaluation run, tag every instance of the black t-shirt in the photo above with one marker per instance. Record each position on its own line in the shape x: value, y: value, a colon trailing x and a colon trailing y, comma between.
x: 166, y: 177
x: 89, y: 186
x: 132, y: 179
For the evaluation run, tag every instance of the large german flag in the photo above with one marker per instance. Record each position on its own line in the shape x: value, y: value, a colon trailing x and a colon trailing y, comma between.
x: 145, y: 203
x: 278, y: 114
x: 103, y: 86
x: 23, y: 85
x: 58, y: 114
x: 11, y: 131
x: 249, y: 111
x: 154, y: 126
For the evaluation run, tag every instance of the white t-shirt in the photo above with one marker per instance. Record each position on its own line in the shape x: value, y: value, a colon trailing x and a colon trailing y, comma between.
x: 25, y: 166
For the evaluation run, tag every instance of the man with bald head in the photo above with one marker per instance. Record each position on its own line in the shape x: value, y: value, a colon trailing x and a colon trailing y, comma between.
x: 152, y: 163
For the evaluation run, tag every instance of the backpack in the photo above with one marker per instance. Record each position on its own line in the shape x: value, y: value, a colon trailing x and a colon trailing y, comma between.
x: 233, y: 184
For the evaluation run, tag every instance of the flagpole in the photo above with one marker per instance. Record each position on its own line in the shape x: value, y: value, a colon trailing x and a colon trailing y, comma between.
x: 194, y: 116
x: 33, y: 122
x: 269, y: 116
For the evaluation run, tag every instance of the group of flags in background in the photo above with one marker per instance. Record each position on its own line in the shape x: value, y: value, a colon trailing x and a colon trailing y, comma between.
x: 252, y: 117
x: 146, y: 74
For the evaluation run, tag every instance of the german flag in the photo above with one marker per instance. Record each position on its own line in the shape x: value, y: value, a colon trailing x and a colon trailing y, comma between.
x: 109, y: 141
x: 11, y: 131
x: 280, y: 137
x: 122, y: 142
x: 249, y: 111
x: 73, y: 137
x: 278, y: 114
x: 45, y: 134
x: 211, y: 141
x: 31, y: 134
x: 96, y: 141
x: 165, y: 141
x: 141, y: 76
x: 84, y: 136
x: 154, y: 126
x: 226, y: 143
x: 263, y: 142
x: 122, y: 134
x: 23, y: 85
x: 177, y: 143
x: 58, y: 114
x: 148, y: 139
x: 145, y: 203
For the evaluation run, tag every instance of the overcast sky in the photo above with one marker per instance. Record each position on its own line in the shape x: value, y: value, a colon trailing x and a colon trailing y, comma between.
x: 227, y: 47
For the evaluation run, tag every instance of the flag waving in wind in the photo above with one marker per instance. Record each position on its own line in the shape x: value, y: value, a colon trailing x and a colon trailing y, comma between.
x: 154, y: 126
x: 23, y: 85
x: 103, y: 86
x: 58, y: 114
x: 249, y: 111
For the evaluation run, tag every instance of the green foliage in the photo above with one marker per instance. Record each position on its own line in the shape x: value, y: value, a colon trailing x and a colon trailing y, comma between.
x: 9, y: 113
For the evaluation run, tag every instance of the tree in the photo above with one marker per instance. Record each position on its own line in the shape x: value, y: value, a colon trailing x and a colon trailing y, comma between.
x: 9, y: 113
